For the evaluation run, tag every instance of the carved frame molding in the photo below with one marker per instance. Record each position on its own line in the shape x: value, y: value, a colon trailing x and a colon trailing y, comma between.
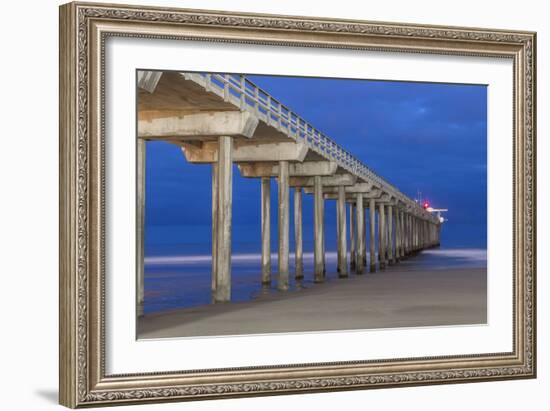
x: 83, y: 30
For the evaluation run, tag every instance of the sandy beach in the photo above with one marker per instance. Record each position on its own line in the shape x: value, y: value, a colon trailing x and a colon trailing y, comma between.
x: 401, y: 296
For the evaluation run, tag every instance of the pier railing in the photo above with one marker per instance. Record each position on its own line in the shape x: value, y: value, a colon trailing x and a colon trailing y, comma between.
x: 243, y: 93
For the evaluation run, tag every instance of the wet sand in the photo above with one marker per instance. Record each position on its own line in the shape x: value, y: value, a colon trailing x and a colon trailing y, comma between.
x: 397, y: 297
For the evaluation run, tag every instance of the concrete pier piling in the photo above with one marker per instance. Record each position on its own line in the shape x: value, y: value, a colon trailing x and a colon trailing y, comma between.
x: 378, y: 237
x: 222, y: 292
x: 225, y: 124
x: 364, y: 234
x: 372, y: 239
x: 140, y: 223
x: 266, y: 230
x: 401, y: 234
x: 400, y: 222
x: 411, y: 234
x: 214, y: 227
x: 391, y: 254
x: 323, y: 237
x: 360, y: 237
x: 338, y: 252
x: 283, y: 225
x: 342, y: 229
x: 319, y: 264
x: 382, y: 241
x: 298, y: 238
x: 352, y: 235
x: 397, y: 234
x: 407, y: 234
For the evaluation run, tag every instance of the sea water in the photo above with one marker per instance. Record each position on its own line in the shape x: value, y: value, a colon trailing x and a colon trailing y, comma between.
x: 174, y: 281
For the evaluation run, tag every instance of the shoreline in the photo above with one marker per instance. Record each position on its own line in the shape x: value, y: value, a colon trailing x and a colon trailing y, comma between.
x: 396, y: 297
x: 184, y: 281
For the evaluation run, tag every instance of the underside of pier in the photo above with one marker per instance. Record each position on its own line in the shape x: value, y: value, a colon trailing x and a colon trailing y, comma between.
x: 222, y: 120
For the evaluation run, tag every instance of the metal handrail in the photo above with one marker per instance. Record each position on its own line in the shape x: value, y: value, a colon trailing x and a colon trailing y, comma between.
x: 243, y: 93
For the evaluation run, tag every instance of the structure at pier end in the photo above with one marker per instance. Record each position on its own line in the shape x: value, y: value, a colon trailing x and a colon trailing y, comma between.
x: 225, y: 119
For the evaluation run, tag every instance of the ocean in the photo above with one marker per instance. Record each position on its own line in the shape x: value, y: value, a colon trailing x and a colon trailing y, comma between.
x: 174, y: 281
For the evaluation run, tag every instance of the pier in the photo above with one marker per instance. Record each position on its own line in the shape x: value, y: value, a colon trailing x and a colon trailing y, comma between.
x: 225, y: 119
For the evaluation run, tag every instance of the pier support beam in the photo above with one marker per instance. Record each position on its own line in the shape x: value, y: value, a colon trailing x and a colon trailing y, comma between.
x: 214, y: 228
x: 318, y: 232
x: 337, y: 236
x: 364, y: 235
x: 407, y: 234
x: 298, y: 260
x: 206, y: 124
x: 388, y: 238
x: 360, y: 236
x: 266, y: 230
x: 400, y: 231
x: 423, y: 234
x: 245, y: 151
x: 391, y: 250
x: 306, y: 169
x: 382, y: 240
x: 323, y: 247
x: 428, y: 234
x: 352, y: 236
x: 413, y: 232
x: 401, y: 236
x: 379, y: 236
x: 420, y: 234
x: 416, y: 234
x: 404, y: 235
x: 141, y: 157
x: 372, y: 240
x: 342, y: 244
x: 426, y: 239
x: 284, y: 227
x: 411, y: 228
x: 396, y: 230
x: 427, y: 227
x: 222, y: 257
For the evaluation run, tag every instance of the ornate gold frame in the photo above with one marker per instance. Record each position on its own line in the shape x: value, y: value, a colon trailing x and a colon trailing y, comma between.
x: 83, y: 30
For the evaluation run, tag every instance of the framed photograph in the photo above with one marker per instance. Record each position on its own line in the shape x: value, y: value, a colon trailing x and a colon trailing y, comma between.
x: 260, y: 204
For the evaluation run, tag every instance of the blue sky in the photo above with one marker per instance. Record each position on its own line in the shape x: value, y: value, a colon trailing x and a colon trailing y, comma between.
x: 419, y: 136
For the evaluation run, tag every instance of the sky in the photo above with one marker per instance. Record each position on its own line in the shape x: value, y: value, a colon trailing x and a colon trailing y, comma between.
x: 423, y: 137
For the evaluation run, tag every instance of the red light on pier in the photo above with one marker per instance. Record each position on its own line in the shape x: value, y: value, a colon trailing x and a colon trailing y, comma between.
x: 426, y: 204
